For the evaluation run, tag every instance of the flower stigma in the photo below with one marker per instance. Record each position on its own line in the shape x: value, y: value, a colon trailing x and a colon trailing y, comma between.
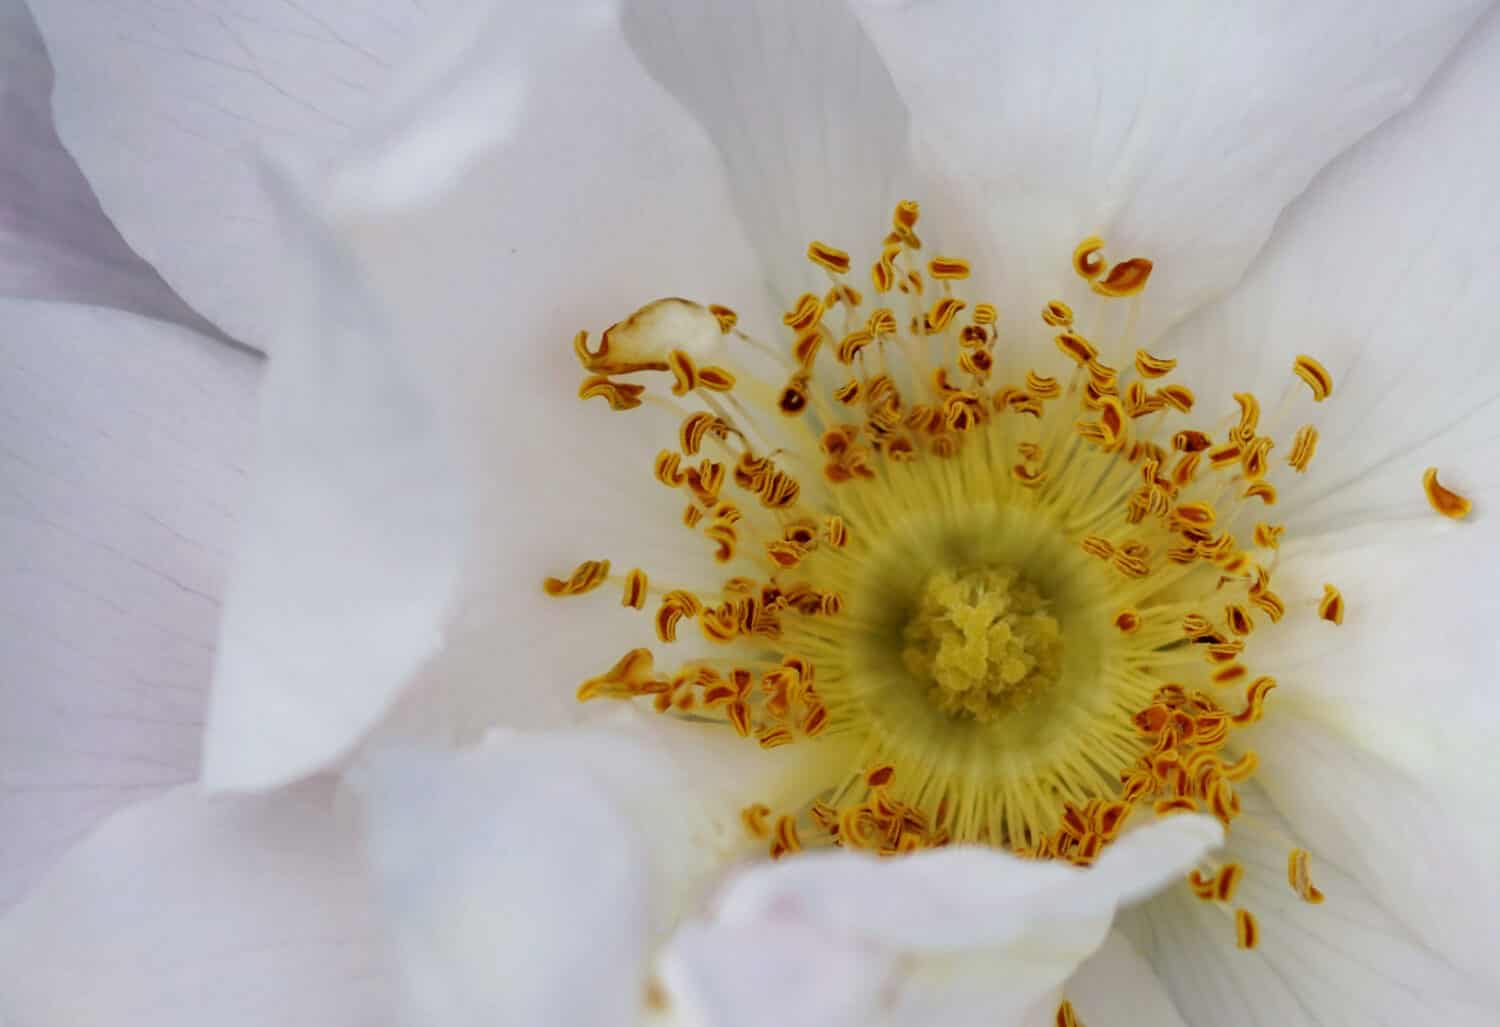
x: 1013, y: 605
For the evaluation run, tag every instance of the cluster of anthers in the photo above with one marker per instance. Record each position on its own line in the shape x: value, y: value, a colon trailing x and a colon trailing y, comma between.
x: 1012, y: 607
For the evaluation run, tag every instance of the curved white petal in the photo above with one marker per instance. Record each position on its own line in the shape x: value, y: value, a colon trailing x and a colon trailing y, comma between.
x: 55, y: 242
x: 514, y: 888
x: 185, y: 910
x: 803, y: 111
x: 1346, y: 960
x: 956, y: 936
x: 349, y: 553
x: 1379, y: 273
x: 1383, y: 747
x: 533, y: 181
x: 510, y: 871
x: 122, y: 479
x: 164, y: 104
x: 1176, y: 131
x: 1116, y: 987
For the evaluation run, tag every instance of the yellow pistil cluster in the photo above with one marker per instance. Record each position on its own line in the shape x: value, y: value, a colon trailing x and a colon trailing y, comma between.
x: 984, y: 639
x: 1004, y: 603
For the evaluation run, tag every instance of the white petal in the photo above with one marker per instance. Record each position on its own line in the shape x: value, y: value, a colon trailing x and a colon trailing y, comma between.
x: 350, y: 549
x: 1117, y: 987
x: 55, y: 242
x: 1344, y: 961
x: 803, y: 110
x: 968, y: 935
x: 794, y: 973
x: 183, y: 911
x: 124, y: 477
x: 515, y: 889
x: 533, y: 182
x: 1175, y: 131
x: 163, y: 105
x: 1378, y: 273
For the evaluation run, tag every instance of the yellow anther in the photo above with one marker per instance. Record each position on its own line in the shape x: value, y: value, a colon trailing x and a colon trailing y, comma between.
x: 1444, y: 501
x: 882, y: 322
x: 1315, y: 375
x: 1253, y: 460
x: 1058, y: 314
x: 1303, y: 446
x: 1066, y: 1017
x: 837, y: 532
x: 775, y: 737
x: 985, y: 314
x: 1127, y: 278
x: 1331, y: 606
x: 882, y: 276
x: 1255, y: 700
x: 851, y: 344
x: 1097, y: 545
x: 1189, y: 441
x: 1297, y: 876
x: 1262, y: 490
x: 1226, y: 455
x: 1268, y: 536
x: 829, y: 257
x: 1148, y: 366
x: 1197, y: 514
x: 805, y: 349
x: 586, y: 577
x: 948, y: 267
x: 668, y: 468
x: 619, y: 395
x: 1179, y: 397
x: 785, y: 836
x: 848, y: 393
x: 1238, y: 620
x: 807, y: 312
x: 727, y: 318
x: 1127, y: 621
x: 1246, y: 932
x: 1270, y: 603
x: 1042, y: 387
x: 793, y: 399
x: 879, y: 777
x: 942, y: 314
x: 1249, y: 417
x: 754, y: 819
x: 976, y: 362
x: 635, y: 590
x: 1103, y: 377
x: 691, y: 515
x: 1227, y: 881
x: 632, y: 675
x: 1028, y: 477
x: 684, y: 372
x: 738, y: 715
x: 1076, y: 348
x: 1086, y: 259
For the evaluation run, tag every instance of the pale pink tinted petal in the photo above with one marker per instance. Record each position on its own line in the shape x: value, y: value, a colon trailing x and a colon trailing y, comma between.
x: 122, y: 480
x: 186, y: 910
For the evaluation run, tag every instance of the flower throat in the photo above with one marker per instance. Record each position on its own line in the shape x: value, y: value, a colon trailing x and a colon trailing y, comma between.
x: 1004, y: 604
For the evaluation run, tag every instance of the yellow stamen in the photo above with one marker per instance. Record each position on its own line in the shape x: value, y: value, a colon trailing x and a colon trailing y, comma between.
x: 1444, y: 501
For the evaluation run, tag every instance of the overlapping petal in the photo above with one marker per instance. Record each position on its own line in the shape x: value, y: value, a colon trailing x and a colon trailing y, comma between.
x: 1378, y: 273
x: 186, y: 910
x: 350, y: 549
x: 1176, y: 131
x: 164, y: 106
x: 957, y: 936
x: 122, y: 477
x: 1346, y: 960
